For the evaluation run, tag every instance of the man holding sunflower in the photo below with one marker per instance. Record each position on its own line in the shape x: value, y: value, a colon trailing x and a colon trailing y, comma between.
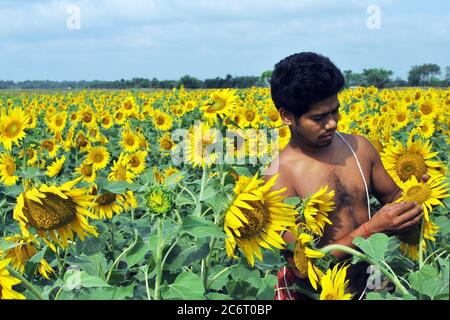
x: 305, y: 89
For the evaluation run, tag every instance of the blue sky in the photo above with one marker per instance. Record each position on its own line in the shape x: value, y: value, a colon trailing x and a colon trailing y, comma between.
x: 208, y: 38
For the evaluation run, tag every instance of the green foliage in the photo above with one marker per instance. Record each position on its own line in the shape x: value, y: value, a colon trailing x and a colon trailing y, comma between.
x: 374, y: 247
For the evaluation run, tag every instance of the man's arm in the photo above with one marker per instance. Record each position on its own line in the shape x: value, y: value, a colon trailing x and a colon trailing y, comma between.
x: 391, y: 218
x: 382, y: 185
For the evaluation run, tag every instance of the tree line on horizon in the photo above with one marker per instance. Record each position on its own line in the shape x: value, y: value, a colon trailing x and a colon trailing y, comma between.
x: 428, y: 75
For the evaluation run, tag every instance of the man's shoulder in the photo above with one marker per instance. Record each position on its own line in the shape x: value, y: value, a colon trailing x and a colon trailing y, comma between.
x: 360, y: 144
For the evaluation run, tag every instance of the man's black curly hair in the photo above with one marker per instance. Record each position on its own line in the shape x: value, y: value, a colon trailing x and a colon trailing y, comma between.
x: 303, y: 79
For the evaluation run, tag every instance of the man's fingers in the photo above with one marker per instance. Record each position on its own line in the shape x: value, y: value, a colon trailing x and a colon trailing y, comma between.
x: 403, y: 207
x: 412, y: 222
x: 409, y: 215
x: 425, y: 178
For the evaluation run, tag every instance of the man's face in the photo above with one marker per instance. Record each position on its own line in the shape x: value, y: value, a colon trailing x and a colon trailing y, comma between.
x: 316, y: 128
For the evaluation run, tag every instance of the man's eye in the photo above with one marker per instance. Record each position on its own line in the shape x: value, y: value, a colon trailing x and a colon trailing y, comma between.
x: 317, y: 119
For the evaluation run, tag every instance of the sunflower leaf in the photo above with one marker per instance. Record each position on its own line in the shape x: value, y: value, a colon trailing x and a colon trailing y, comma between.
x: 426, y: 281
x: 200, y: 228
x: 184, y: 255
x: 29, y: 173
x: 187, y: 286
x: 292, y: 201
x: 39, y: 256
x: 120, y: 187
x: 137, y: 253
x: 374, y: 247
x: 75, y: 279
x: 217, y: 296
x: 116, y: 293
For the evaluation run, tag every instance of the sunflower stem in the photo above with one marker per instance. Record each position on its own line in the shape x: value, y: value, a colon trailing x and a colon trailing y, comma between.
x: 390, y: 276
x: 113, y: 239
x: 158, y: 261
x: 420, y: 244
x: 147, y: 288
x: 202, y: 189
x: 26, y: 283
x: 121, y: 255
x: 205, y: 268
x: 24, y: 161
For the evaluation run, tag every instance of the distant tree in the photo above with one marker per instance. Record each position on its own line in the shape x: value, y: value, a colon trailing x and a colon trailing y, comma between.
x: 264, y: 78
x: 190, y: 82
x: 399, y: 82
x: 377, y: 77
x: 424, y: 74
x: 353, y: 79
x: 447, y: 76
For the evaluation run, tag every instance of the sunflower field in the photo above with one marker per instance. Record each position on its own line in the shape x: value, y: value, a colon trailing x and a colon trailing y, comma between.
x: 160, y: 195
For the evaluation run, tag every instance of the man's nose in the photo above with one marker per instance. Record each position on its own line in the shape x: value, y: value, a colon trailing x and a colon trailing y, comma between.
x: 331, y: 124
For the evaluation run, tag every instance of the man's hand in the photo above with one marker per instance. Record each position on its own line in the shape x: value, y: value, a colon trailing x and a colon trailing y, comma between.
x: 394, y: 218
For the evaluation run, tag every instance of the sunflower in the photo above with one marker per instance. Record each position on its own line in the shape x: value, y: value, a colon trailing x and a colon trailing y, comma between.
x: 74, y: 117
x: 250, y: 116
x: 130, y: 141
x: 400, y: 116
x: 106, y: 120
x: 8, y: 170
x: 159, y: 200
x: 32, y: 157
x: 121, y: 170
x: 55, y: 168
x: 409, y: 244
x: 425, y: 194
x: 274, y: 117
x: 429, y: 109
x: 166, y: 143
x: 284, y: 134
x: 12, y: 127
x: 143, y: 144
x: 316, y: 210
x: 414, y: 160
x: 86, y: 171
x: 256, y: 216
x: 82, y: 142
x: 162, y: 120
x: 119, y: 117
x: 98, y: 157
x: 108, y: 203
x: 129, y: 106
x: 159, y: 177
x: 24, y: 250
x: 136, y: 161
x: 303, y: 256
x: 200, y: 142
x: 50, y: 146
x: 221, y: 103
x: 58, y: 122
x: 68, y: 141
x: 425, y: 128
x: 55, y: 212
x: 171, y: 171
x: 32, y: 118
x: 87, y: 117
x: 7, y: 282
x: 334, y: 284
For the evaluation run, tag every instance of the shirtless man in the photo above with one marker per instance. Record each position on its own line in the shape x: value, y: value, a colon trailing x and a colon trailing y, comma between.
x: 304, y: 89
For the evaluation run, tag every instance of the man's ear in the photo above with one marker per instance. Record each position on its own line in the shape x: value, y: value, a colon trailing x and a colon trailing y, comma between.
x: 286, y: 116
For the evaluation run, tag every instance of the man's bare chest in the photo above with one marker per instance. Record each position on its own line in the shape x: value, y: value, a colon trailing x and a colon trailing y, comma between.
x: 344, y: 179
